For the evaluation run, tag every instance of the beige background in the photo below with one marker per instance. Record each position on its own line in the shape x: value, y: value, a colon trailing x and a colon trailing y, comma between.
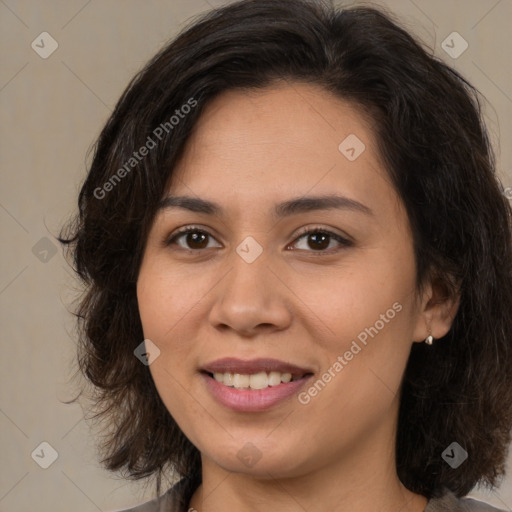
x: 51, y: 111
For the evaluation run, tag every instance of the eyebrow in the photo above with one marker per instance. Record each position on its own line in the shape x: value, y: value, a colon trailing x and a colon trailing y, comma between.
x: 281, y: 210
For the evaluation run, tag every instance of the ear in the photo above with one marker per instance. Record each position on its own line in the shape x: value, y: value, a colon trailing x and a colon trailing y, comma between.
x: 437, y: 308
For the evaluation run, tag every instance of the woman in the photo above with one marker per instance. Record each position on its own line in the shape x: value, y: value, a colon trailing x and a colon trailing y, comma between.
x: 298, y: 266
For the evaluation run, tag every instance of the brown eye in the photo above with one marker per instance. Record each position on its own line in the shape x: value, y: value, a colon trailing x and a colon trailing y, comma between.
x: 195, y: 239
x: 318, y: 240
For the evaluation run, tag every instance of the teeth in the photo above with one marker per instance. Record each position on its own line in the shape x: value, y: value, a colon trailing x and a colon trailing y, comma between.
x: 274, y: 378
x: 228, y: 379
x: 261, y: 380
x: 240, y: 381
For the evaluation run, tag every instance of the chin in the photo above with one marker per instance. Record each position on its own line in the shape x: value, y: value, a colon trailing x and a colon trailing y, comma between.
x: 259, y: 458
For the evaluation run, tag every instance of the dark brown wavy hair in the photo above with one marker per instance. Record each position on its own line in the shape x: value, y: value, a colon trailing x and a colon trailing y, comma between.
x: 428, y: 122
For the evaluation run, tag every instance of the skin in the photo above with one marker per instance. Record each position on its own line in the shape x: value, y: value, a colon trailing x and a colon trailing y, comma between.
x: 249, y: 151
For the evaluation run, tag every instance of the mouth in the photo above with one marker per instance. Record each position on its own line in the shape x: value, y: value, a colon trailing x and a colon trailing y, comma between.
x: 255, y: 381
x: 252, y: 386
x: 254, y: 374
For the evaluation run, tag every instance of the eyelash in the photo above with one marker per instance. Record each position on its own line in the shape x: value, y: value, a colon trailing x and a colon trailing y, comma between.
x: 307, y: 231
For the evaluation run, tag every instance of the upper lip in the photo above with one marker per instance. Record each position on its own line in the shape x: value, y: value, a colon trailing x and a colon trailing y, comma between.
x: 249, y: 367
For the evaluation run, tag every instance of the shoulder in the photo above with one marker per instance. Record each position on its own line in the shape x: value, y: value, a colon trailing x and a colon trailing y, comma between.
x: 448, y: 502
x: 472, y: 505
x: 176, y: 499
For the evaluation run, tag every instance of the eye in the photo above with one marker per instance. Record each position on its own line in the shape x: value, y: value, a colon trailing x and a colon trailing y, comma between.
x: 197, y: 238
x: 318, y: 239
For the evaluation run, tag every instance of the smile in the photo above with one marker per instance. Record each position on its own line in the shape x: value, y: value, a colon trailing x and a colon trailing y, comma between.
x: 261, y: 380
x: 255, y: 392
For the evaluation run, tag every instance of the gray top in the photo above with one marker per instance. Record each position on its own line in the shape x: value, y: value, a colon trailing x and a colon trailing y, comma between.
x: 177, y: 498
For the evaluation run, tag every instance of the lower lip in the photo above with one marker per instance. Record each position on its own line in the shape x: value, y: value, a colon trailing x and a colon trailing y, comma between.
x: 252, y: 400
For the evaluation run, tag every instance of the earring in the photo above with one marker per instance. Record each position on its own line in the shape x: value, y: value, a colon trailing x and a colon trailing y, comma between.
x: 430, y: 339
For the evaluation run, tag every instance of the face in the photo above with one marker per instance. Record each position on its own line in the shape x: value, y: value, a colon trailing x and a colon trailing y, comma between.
x: 328, y: 287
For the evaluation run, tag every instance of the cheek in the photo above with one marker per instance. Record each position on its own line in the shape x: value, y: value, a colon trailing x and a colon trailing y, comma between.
x: 353, y: 296
x: 168, y: 300
x: 161, y: 307
x: 370, y: 315
x: 166, y: 297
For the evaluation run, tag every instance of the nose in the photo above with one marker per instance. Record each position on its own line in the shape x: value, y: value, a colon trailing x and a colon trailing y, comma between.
x: 251, y: 299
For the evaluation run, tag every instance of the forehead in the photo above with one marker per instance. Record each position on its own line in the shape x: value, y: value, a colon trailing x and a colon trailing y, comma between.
x: 295, y: 117
x: 280, y: 142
